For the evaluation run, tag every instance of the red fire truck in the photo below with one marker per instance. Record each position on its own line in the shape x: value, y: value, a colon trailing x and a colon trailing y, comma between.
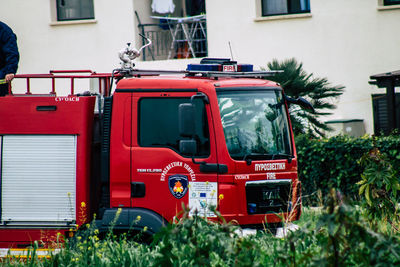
x: 212, y: 135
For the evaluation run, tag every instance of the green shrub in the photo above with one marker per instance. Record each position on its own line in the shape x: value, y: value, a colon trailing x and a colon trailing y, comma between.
x: 378, y: 188
x: 334, y: 163
x: 197, y: 242
x: 341, y: 237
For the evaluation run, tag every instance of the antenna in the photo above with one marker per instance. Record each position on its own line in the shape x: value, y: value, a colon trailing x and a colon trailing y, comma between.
x: 230, y: 48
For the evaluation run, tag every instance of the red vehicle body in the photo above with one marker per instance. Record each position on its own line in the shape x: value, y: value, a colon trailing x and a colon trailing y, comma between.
x: 159, y: 141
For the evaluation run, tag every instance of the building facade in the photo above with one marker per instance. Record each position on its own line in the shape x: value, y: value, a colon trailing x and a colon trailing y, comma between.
x: 346, y: 41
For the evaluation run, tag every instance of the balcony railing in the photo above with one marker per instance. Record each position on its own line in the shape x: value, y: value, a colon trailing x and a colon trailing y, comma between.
x: 175, y: 38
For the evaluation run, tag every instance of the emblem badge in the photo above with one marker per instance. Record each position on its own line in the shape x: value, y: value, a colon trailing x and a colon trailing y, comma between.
x: 178, y: 185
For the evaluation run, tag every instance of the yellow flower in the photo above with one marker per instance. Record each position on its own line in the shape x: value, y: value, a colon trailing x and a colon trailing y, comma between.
x: 96, y: 232
x: 145, y: 229
x: 68, y: 194
x: 221, y: 196
x: 138, y: 218
x: 83, y: 204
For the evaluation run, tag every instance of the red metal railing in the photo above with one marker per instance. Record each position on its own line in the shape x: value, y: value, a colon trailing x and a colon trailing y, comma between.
x: 104, y: 80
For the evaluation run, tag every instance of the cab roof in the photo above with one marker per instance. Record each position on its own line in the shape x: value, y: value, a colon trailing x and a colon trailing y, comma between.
x: 188, y: 82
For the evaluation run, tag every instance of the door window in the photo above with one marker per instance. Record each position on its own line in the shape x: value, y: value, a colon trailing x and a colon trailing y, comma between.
x: 158, y: 124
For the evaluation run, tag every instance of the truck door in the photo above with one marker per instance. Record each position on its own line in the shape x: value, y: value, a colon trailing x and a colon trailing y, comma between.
x: 162, y: 176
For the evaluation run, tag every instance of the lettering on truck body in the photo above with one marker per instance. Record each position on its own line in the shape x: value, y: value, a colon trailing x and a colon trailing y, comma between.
x: 269, y: 167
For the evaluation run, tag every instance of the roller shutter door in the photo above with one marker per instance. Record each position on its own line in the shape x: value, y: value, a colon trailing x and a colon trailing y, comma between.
x: 38, y: 179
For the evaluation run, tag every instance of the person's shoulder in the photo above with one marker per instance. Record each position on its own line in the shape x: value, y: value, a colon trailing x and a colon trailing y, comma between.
x: 5, y: 28
x: 5, y: 31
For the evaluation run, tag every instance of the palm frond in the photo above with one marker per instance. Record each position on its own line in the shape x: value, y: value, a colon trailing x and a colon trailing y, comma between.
x: 296, y: 82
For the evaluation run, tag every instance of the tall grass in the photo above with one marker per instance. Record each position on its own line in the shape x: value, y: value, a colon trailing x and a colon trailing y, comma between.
x: 336, y: 235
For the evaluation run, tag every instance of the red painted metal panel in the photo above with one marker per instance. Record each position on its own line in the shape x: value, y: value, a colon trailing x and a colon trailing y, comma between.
x: 19, y: 238
x: 71, y: 116
x: 120, y: 177
x: 158, y: 159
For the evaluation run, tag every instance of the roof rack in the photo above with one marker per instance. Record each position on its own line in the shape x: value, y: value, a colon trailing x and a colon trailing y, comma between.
x: 208, y: 67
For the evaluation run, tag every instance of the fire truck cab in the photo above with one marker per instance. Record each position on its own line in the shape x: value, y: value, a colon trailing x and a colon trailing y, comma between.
x: 213, y: 137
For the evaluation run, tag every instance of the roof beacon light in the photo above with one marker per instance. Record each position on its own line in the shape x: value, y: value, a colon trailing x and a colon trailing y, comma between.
x: 219, y: 64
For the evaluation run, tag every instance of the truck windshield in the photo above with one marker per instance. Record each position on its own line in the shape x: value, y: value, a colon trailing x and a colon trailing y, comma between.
x: 255, y: 124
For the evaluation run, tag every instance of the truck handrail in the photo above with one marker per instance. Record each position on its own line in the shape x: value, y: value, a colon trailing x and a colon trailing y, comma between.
x: 104, y: 79
x: 72, y: 71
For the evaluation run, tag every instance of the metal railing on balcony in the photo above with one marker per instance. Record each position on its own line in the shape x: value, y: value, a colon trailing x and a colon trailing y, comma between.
x: 175, y: 38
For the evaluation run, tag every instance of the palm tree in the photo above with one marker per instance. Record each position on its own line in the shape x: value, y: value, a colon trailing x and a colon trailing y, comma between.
x: 298, y: 83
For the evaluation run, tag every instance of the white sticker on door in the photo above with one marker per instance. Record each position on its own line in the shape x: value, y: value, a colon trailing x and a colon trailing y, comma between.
x: 202, y: 196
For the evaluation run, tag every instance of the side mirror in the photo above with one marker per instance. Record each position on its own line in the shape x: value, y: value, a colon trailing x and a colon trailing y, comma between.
x: 188, y: 147
x: 301, y: 102
x: 186, y: 120
x: 305, y: 104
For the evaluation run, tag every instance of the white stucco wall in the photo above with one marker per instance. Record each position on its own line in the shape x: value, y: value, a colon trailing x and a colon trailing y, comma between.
x: 343, y: 40
x: 47, y: 45
x: 44, y: 46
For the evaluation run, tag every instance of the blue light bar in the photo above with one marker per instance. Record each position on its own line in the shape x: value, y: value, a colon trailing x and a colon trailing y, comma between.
x: 204, y: 67
x: 245, y: 68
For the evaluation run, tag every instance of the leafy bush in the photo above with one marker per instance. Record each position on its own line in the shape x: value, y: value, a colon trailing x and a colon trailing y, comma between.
x: 197, y: 242
x: 334, y: 163
x: 379, y: 188
x: 341, y: 238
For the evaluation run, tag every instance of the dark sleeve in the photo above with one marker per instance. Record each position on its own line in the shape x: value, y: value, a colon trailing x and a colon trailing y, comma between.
x: 10, y: 51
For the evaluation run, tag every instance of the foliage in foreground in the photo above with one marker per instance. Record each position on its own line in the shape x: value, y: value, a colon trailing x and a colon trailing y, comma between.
x: 337, y: 236
x: 378, y: 187
x: 340, y: 235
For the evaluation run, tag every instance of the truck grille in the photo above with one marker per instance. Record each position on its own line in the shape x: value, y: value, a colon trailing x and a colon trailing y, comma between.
x: 270, y: 196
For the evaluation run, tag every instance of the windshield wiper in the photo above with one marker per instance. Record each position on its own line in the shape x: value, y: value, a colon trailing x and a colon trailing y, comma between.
x: 261, y: 156
x: 247, y: 157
